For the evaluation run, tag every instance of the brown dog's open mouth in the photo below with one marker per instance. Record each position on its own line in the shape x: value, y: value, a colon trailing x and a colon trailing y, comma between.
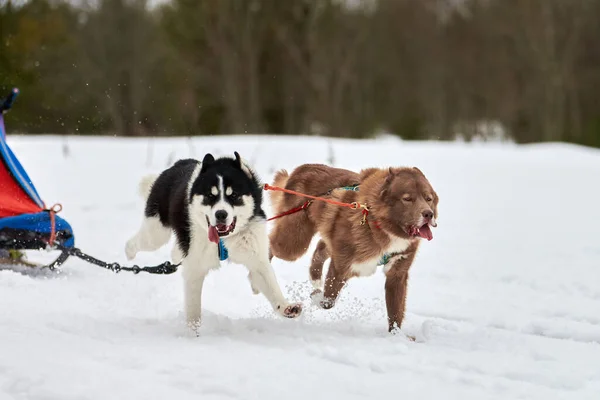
x: 424, y: 231
x: 219, y: 230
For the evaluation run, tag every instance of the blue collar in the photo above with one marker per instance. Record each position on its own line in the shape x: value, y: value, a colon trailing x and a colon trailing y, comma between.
x: 223, y: 253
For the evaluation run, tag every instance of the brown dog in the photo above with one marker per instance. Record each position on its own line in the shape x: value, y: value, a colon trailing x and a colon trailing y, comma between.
x: 402, y: 207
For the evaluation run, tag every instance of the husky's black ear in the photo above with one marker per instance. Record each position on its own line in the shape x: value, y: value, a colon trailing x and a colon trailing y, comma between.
x: 208, y: 159
x: 241, y: 165
x: 238, y: 160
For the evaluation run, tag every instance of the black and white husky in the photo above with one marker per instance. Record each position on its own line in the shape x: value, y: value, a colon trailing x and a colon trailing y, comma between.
x: 209, y: 204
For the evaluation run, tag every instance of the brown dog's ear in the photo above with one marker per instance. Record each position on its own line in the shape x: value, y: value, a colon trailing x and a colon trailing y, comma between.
x: 391, y: 175
x: 419, y: 171
x: 388, y: 181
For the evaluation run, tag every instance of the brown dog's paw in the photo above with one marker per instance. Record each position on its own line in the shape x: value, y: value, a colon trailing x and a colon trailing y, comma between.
x: 316, y: 296
x: 397, y: 331
x: 292, y: 311
x: 327, y: 304
x: 319, y: 299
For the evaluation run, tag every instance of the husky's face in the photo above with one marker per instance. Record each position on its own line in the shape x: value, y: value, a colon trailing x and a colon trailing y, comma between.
x: 221, y: 197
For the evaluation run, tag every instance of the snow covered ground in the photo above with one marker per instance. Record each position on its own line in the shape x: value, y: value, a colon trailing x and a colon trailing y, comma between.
x: 504, y: 302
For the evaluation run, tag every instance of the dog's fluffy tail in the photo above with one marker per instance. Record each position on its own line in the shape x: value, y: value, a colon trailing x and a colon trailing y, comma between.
x: 145, y: 185
x: 280, y: 180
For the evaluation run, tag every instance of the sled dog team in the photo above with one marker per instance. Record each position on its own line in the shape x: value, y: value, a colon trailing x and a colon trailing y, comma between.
x: 215, y: 209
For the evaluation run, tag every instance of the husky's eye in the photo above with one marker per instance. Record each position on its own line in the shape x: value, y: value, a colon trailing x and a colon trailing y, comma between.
x: 233, y: 195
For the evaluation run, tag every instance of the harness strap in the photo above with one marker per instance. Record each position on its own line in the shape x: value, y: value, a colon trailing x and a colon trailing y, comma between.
x: 354, y: 205
x: 353, y: 188
x: 292, y: 211
x: 56, y: 208
x: 385, y: 259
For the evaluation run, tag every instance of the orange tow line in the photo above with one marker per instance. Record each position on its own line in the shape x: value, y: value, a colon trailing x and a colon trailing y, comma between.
x: 354, y: 205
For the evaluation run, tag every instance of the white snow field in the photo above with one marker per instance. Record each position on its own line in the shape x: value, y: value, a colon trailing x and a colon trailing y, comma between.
x: 504, y: 301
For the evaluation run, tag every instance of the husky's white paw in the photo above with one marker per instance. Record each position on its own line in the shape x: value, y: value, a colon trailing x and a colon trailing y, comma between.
x: 291, y: 311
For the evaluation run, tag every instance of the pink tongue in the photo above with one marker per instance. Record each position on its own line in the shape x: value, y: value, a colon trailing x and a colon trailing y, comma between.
x: 425, y: 232
x: 213, y: 235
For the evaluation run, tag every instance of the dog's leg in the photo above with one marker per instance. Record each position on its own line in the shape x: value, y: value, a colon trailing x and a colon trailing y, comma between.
x: 334, y: 283
x: 395, y: 288
x: 151, y: 236
x: 319, y: 257
x: 395, y: 299
x: 263, y: 280
x: 176, y: 254
x: 193, y: 280
x: 291, y: 236
x: 252, y: 251
x: 255, y: 290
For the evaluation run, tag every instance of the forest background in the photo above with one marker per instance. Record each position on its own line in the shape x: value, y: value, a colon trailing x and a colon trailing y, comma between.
x: 523, y: 70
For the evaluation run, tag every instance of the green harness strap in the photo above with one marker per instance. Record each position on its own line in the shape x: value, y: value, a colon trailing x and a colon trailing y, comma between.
x: 384, y: 259
x: 353, y: 188
x: 387, y: 257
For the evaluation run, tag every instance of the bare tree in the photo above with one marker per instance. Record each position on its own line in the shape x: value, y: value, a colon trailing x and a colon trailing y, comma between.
x: 118, y: 38
x: 324, y: 43
x: 546, y: 37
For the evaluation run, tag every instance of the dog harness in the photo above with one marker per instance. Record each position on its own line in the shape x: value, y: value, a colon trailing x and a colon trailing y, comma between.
x: 354, y: 205
x: 353, y: 188
x: 384, y: 259
x: 387, y: 257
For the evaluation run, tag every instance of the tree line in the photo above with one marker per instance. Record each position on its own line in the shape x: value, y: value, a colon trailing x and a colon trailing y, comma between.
x: 419, y: 69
